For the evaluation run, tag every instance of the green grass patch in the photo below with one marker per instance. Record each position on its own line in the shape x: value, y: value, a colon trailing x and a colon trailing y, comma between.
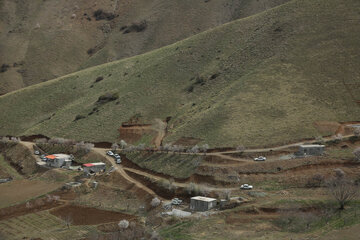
x: 178, y: 231
x: 175, y: 165
x: 261, y: 80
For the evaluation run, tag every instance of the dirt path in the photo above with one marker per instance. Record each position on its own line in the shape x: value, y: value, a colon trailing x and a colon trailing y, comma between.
x: 176, y: 184
x: 120, y: 170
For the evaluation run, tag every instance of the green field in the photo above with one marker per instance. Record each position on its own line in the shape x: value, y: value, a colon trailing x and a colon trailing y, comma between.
x: 41, y: 225
x: 175, y: 165
x: 256, y: 81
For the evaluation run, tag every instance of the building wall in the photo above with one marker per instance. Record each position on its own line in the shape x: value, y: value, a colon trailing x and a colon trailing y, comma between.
x: 198, y: 205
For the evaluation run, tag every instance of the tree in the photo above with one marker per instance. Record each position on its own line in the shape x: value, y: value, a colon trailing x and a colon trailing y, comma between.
x: 342, y: 190
x: 204, y: 148
x: 114, y: 147
x: 67, y: 220
x: 195, y: 149
x: 155, y: 202
x: 123, y: 224
x: 240, y: 148
x: 357, y: 132
x: 123, y: 144
x: 357, y: 154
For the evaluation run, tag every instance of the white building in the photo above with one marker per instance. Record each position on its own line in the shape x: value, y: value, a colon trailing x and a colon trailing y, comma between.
x: 202, y: 203
x: 59, y: 160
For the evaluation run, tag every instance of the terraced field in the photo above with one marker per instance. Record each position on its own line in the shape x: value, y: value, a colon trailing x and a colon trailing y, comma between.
x: 41, y: 225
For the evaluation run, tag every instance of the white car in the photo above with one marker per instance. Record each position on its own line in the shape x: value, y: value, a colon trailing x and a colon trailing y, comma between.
x: 118, y: 160
x: 110, y: 153
x: 246, y: 187
x: 261, y: 158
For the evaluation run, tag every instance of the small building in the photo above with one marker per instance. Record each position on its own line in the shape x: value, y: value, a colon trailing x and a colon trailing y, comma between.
x: 90, y: 168
x: 59, y: 160
x: 310, y: 150
x: 202, y: 204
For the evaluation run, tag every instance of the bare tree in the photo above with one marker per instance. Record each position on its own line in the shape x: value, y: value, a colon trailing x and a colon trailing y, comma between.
x: 114, y: 147
x: 195, y: 149
x: 123, y: 144
x: 342, y: 190
x: 357, y: 154
x: 68, y: 220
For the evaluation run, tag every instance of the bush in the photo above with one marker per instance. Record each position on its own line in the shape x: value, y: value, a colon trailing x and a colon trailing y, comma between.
x: 78, y: 117
x: 135, y: 27
x: 315, y: 181
x: 107, y: 97
x: 155, y: 202
x: 101, y: 15
x: 4, y: 67
x: 98, y: 79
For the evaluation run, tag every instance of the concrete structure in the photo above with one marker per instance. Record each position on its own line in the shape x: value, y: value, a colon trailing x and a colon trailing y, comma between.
x: 59, y: 160
x: 202, y: 203
x: 90, y: 168
x: 310, y: 150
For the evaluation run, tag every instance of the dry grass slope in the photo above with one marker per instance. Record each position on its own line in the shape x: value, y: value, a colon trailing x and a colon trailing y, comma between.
x: 42, y: 40
x: 259, y: 80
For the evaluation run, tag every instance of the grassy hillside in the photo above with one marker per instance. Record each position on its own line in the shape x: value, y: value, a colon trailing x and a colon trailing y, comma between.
x: 260, y: 80
x: 42, y: 40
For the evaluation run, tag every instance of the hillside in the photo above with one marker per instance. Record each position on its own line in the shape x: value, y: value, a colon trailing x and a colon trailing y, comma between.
x: 256, y: 81
x: 42, y: 40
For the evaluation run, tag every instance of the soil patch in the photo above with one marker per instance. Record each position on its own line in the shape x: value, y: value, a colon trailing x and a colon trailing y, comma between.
x: 90, y: 216
x: 33, y: 206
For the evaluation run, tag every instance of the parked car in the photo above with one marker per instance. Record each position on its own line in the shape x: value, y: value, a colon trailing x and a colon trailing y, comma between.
x: 176, y: 201
x: 118, y: 160
x: 43, y: 158
x: 110, y: 153
x: 36, y: 152
x: 116, y: 156
x: 246, y: 187
x: 261, y: 158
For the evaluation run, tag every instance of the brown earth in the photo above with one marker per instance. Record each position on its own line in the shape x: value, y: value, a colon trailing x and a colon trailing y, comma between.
x: 22, y: 190
x: 90, y: 216
x: 32, y: 206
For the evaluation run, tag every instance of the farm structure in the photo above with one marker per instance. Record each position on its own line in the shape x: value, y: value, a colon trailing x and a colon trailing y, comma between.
x: 90, y: 168
x: 312, y: 150
x: 202, y: 204
x: 59, y: 160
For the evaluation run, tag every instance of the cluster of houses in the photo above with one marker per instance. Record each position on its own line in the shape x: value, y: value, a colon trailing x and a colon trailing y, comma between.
x: 65, y: 161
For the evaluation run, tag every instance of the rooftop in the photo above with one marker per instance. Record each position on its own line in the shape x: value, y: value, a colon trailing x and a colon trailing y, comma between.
x: 94, y: 164
x: 204, y: 199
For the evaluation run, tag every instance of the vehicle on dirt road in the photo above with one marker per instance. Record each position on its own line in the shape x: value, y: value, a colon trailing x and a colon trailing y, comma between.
x: 246, y: 187
x: 261, y: 158
x: 116, y: 156
x: 118, y: 160
x: 110, y: 153
x: 37, y: 152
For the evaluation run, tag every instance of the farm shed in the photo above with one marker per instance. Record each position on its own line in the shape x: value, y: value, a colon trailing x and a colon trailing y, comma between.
x: 312, y: 150
x: 59, y: 160
x: 90, y: 168
x: 202, y: 203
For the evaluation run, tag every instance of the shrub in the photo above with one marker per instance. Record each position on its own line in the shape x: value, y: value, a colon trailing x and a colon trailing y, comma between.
x: 78, y: 117
x: 101, y: 15
x: 135, y: 27
x: 315, y: 181
x: 4, y: 67
x: 98, y: 79
x: 107, y: 97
